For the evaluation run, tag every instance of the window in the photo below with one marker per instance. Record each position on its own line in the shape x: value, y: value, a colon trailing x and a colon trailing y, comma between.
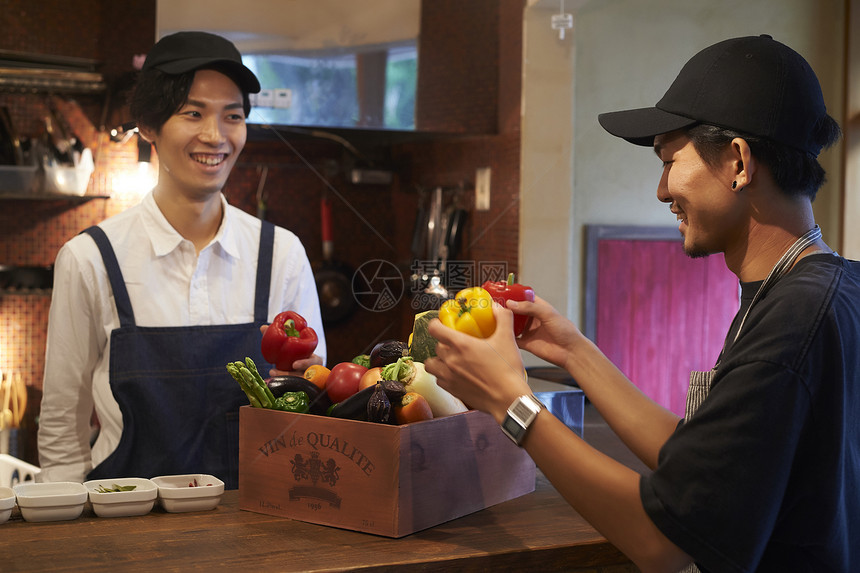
x: 373, y: 88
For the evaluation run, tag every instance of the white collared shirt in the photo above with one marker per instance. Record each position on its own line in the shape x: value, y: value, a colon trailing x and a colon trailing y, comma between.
x: 168, y: 284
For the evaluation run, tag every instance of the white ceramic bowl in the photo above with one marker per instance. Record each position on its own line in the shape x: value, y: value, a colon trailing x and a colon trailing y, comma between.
x: 138, y: 501
x: 189, y: 492
x: 7, y: 502
x: 55, y: 501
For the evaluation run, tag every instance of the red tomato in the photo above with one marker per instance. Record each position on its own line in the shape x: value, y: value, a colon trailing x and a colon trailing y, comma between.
x: 343, y: 381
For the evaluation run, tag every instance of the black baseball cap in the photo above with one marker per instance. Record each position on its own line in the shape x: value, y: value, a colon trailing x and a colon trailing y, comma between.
x: 753, y: 84
x: 186, y: 51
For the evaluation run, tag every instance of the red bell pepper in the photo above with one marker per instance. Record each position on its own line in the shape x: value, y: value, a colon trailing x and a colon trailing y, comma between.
x: 503, y: 291
x: 287, y: 339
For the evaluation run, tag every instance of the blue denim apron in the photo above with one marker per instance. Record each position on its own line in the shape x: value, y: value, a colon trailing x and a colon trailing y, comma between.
x: 180, y: 406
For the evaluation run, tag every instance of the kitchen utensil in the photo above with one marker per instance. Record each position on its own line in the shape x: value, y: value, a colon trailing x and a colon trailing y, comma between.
x: 10, y: 145
x: 55, y: 501
x: 189, y: 492
x: 6, y: 416
x: 13, y: 392
x: 434, y: 223
x: 449, y: 245
x: 436, y: 288
x: 454, y: 232
x: 333, y: 278
x: 14, y: 471
x: 262, y: 197
x: 19, y: 399
x: 23, y: 278
x: 419, y: 232
x: 441, y: 243
x: 7, y: 502
x: 138, y: 500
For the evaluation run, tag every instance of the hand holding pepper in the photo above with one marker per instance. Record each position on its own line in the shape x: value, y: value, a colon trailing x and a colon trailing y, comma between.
x: 288, y: 339
x: 503, y: 291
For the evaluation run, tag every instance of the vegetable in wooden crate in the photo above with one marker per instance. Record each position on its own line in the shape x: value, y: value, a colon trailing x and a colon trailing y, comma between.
x: 370, y: 378
x: 421, y: 344
x: 356, y: 406
x: 317, y: 374
x: 292, y: 402
x: 318, y: 400
x: 343, y: 380
x: 387, y: 351
x: 413, y: 407
x: 270, y: 393
x: 378, y: 406
x: 249, y: 379
x: 416, y: 379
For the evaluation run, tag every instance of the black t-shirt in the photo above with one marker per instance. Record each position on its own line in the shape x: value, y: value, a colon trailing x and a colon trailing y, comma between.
x: 766, y: 475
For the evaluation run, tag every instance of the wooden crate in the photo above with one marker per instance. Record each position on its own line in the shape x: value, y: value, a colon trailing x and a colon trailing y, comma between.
x: 376, y: 478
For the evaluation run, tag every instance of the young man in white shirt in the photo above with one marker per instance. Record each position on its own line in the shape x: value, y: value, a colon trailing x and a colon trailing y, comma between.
x: 150, y: 306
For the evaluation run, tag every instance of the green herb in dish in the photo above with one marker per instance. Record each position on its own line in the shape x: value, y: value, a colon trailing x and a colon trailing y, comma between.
x: 116, y: 488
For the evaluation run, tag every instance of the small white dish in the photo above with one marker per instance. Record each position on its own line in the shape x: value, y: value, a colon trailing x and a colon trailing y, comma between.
x: 189, y: 492
x: 137, y: 501
x: 54, y: 501
x: 7, y: 502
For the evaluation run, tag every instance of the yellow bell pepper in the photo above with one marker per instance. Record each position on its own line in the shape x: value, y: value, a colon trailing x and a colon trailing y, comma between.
x: 471, y: 311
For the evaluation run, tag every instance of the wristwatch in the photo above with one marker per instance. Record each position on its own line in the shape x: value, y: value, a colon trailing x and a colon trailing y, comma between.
x: 521, y: 413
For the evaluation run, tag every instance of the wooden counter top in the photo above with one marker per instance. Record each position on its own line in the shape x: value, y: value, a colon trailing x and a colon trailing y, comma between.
x: 538, y: 531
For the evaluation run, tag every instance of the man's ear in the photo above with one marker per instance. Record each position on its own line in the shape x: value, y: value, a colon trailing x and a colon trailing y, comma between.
x: 744, y: 165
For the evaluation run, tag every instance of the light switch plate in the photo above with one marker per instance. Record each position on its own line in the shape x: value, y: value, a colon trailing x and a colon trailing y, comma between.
x: 283, y: 98
x: 266, y: 98
x: 482, y: 189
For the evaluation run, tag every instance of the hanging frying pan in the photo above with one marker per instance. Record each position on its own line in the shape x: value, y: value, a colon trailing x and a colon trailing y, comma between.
x: 10, y: 145
x: 333, y: 278
x: 454, y: 232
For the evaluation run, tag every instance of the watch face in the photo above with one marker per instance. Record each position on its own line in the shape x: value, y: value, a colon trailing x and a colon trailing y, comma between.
x: 512, y: 428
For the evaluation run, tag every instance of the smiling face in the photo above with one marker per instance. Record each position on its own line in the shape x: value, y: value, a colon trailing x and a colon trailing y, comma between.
x: 199, y: 144
x: 710, y: 212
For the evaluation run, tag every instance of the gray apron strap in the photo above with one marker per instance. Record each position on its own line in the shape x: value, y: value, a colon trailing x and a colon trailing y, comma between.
x: 700, y: 384
x: 782, y: 266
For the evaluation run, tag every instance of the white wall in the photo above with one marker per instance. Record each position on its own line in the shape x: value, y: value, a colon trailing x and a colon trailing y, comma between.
x: 293, y: 25
x: 624, y: 54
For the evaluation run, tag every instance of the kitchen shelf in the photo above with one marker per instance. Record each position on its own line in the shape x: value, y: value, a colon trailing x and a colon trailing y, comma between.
x: 26, y: 280
x: 26, y: 292
x: 44, y: 196
x: 27, y: 72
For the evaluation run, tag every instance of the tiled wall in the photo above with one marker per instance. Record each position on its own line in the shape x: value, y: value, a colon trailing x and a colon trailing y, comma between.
x: 469, y: 84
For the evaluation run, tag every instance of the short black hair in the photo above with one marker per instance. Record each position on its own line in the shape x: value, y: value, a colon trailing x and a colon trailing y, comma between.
x: 797, y: 173
x: 157, y: 96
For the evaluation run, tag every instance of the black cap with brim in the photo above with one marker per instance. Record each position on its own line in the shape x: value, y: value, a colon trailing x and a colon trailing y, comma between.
x: 753, y: 85
x: 641, y: 126
x: 188, y: 51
